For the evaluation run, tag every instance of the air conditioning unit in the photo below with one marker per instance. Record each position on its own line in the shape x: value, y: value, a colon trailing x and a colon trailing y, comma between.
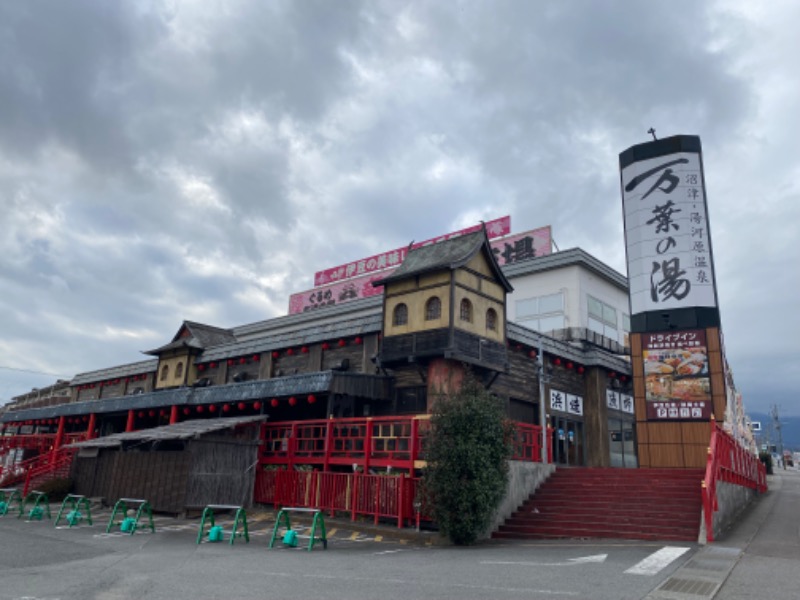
x: 202, y: 382
x: 241, y: 376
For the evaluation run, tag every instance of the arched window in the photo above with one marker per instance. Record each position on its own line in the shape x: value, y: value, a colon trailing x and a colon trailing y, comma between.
x: 164, y: 372
x: 400, y: 316
x: 433, y: 309
x: 466, y: 310
x: 491, y: 319
x: 179, y: 370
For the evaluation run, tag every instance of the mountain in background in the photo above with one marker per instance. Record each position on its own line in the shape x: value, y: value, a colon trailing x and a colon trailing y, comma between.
x: 790, y: 430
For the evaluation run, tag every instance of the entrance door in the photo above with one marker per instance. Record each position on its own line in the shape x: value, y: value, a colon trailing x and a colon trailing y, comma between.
x: 567, y: 441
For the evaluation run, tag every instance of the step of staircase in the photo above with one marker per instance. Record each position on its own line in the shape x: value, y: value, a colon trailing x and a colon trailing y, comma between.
x: 642, y: 504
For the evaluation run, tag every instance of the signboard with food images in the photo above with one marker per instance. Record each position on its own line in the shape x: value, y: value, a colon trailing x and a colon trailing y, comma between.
x: 677, y: 381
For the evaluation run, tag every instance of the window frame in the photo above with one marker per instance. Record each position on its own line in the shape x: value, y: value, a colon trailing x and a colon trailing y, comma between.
x: 433, y: 308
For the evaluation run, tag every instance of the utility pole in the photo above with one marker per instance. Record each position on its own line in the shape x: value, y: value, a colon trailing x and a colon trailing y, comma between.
x: 542, y: 402
x: 776, y: 422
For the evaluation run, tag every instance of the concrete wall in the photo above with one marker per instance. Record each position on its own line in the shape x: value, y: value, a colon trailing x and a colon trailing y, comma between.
x: 523, y: 479
x: 731, y: 500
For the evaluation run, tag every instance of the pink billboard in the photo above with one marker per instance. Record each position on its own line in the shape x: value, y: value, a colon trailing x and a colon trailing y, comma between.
x: 393, y: 258
x: 508, y: 250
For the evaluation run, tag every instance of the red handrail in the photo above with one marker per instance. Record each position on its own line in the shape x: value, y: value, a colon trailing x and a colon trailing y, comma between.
x: 729, y: 462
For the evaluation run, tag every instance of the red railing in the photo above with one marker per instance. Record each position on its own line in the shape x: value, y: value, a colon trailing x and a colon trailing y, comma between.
x: 38, y: 469
x: 377, y: 496
x: 731, y: 463
x: 368, y: 443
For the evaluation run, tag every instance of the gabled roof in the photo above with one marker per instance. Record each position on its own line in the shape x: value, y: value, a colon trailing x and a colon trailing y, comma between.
x: 196, y: 336
x: 450, y: 254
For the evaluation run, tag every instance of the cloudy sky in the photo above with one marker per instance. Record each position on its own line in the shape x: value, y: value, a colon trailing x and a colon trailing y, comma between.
x: 173, y: 160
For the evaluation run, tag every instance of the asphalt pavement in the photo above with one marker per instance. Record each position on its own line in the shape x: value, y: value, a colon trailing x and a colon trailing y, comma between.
x: 758, y: 558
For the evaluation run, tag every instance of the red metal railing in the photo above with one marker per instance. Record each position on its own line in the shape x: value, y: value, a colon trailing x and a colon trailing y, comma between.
x: 731, y: 463
x: 368, y: 443
x: 359, y: 494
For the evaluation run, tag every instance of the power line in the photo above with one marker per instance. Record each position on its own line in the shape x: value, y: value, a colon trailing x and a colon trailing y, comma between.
x: 32, y: 371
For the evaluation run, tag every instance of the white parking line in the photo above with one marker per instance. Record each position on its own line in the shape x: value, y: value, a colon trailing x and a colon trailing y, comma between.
x: 657, y: 561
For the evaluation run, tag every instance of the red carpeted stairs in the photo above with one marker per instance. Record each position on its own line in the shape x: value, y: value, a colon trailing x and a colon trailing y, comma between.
x: 640, y: 504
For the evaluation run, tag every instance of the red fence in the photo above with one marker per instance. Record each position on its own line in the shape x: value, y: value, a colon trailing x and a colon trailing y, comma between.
x: 368, y: 443
x: 377, y: 496
x: 731, y: 463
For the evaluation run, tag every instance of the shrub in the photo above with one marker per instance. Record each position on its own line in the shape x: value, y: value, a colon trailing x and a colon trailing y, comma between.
x: 467, y: 455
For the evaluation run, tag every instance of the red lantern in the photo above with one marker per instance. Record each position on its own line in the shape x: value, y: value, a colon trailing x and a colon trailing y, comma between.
x: 612, y: 374
x: 226, y: 408
x: 570, y: 365
x: 312, y: 398
x: 162, y: 413
x: 292, y: 401
x: 240, y: 406
x: 242, y: 361
x: 256, y: 358
x: 518, y: 347
x: 556, y: 361
x: 622, y: 378
x: 289, y: 352
x: 275, y: 354
x: 141, y: 413
x: 532, y: 353
x: 342, y: 343
x: 274, y: 403
x: 213, y: 365
x: 581, y: 369
x: 304, y: 349
x: 200, y: 409
x: 152, y: 413
x: 230, y: 362
x: 201, y: 368
x: 358, y: 341
x: 257, y: 405
x: 212, y: 408
x: 325, y: 346
x: 186, y: 411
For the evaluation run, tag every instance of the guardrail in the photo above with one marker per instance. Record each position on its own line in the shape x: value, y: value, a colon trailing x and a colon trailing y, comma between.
x: 731, y: 463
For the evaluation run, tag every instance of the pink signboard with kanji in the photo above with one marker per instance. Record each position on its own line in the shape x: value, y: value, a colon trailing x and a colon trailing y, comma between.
x: 508, y: 250
x: 393, y: 258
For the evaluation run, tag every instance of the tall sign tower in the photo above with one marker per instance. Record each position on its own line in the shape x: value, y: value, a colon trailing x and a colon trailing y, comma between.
x: 676, y: 349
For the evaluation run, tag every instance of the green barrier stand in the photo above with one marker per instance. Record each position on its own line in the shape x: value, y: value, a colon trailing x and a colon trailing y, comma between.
x: 75, y: 515
x: 290, y: 537
x: 129, y: 524
x: 41, y: 506
x: 215, y: 533
x: 7, y: 497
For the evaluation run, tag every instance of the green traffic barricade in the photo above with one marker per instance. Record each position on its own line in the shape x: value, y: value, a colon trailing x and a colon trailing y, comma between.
x: 7, y: 497
x: 215, y: 533
x: 290, y: 536
x: 129, y: 523
x: 41, y: 506
x: 75, y: 515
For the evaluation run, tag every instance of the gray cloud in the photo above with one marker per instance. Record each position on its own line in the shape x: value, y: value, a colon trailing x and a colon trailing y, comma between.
x: 171, y: 160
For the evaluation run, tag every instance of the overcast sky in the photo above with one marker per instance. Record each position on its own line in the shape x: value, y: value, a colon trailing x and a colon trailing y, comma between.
x: 162, y: 161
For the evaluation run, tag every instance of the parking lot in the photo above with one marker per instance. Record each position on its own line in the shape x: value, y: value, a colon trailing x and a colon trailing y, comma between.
x: 42, y: 562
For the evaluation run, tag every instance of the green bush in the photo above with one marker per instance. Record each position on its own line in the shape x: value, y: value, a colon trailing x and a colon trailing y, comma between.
x: 467, y: 454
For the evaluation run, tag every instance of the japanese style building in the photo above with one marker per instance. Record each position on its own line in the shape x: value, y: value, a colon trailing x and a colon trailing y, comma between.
x: 349, y: 387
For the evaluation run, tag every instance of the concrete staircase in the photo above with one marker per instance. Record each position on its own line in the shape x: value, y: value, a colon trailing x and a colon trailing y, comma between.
x: 640, y: 504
